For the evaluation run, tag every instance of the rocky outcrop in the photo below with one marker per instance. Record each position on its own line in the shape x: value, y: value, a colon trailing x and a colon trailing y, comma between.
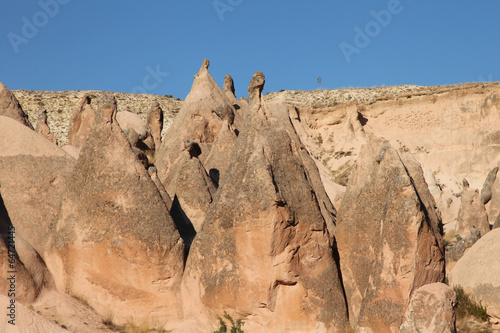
x: 155, y: 123
x: 81, y: 122
x: 472, y: 213
x: 431, y: 310
x: 195, y: 121
x: 388, y: 238
x: 479, y: 273
x: 488, y: 183
x: 228, y: 89
x: 264, y: 253
x: 116, y: 246
x: 10, y: 107
x: 192, y: 191
x: 32, y: 172
x: 42, y: 127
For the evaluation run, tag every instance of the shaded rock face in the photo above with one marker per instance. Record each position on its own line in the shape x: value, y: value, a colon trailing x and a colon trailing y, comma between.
x: 431, y: 310
x: 478, y: 272
x: 264, y: 252
x: 10, y: 107
x: 80, y: 123
x: 388, y: 238
x: 228, y: 88
x: 486, y: 192
x: 43, y: 128
x: 116, y: 246
x: 472, y: 213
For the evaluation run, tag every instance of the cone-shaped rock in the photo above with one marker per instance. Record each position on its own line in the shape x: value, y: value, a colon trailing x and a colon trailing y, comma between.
x: 80, y: 123
x: 117, y: 246
x: 10, y: 107
x: 388, y: 238
x: 32, y: 171
x: 196, y: 121
x: 264, y: 252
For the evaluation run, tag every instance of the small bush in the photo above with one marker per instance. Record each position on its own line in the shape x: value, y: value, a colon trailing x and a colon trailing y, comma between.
x: 467, y: 307
x: 235, y: 326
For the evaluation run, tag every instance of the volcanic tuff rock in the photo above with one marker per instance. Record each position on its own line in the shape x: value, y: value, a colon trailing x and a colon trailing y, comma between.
x: 10, y: 107
x: 81, y: 122
x: 195, y: 121
x: 42, y: 127
x: 431, y: 310
x: 472, y: 213
x: 387, y: 236
x: 478, y: 272
x: 116, y: 246
x: 264, y: 253
x: 155, y: 123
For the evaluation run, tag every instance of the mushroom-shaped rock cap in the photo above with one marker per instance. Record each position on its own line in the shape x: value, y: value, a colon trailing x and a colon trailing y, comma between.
x: 256, y: 85
x: 192, y: 147
x: 224, y: 111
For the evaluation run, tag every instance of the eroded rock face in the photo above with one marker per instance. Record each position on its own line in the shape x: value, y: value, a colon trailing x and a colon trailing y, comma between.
x: 478, y: 272
x: 228, y: 89
x: 26, y: 320
x: 431, y: 310
x: 155, y: 123
x: 388, y: 238
x: 43, y: 128
x: 472, y: 213
x: 10, y: 107
x: 195, y: 121
x: 264, y: 252
x: 81, y: 123
x: 116, y: 246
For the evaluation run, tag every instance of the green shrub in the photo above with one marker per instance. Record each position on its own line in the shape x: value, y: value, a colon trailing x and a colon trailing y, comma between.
x: 235, y: 326
x: 467, y: 307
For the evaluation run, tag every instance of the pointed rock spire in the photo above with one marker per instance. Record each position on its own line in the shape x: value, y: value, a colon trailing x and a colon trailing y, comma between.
x: 10, y: 107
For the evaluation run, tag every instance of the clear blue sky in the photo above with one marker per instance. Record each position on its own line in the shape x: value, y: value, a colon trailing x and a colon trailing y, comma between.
x: 114, y: 45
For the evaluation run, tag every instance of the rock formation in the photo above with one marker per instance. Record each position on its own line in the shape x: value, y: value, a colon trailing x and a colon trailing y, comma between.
x: 42, y: 127
x: 472, y: 213
x: 488, y: 183
x: 431, y: 310
x: 479, y: 273
x: 155, y: 123
x: 264, y: 252
x: 116, y: 246
x: 228, y: 89
x: 195, y: 121
x: 388, y: 238
x: 81, y: 122
x: 10, y: 107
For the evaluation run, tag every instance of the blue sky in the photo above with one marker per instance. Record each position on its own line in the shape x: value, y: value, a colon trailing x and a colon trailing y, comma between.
x: 156, y: 46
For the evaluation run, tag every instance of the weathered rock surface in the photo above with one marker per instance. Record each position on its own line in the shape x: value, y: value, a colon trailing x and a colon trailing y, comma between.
x: 81, y: 123
x: 26, y: 321
x: 10, y: 107
x: 132, y: 121
x: 264, y: 252
x: 478, y: 272
x: 32, y: 171
x: 228, y: 89
x: 431, y: 310
x: 472, y: 213
x: 42, y: 127
x: 116, y: 246
x: 488, y: 183
x: 388, y: 238
x: 155, y: 123
x: 195, y: 121
x: 192, y: 191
